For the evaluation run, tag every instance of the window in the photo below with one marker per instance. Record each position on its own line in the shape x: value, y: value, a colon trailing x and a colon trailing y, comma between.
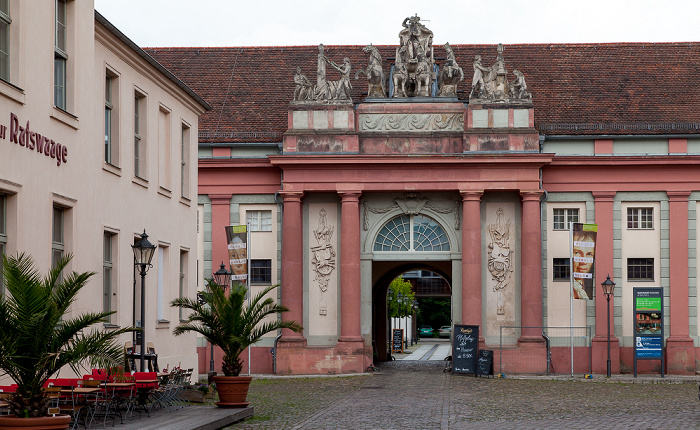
x: 161, y: 283
x: 139, y: 135
x: 640, y: 218
x: 60, y: 56
x: 182, y: 292
x: 57, y: 235
x: 412, y: 233
x: 561, y: 269
x: 261, y: 271
x: 184, y: 157
x: 640, y: 269
x: 562, y: 218
x: 164, y: 149
x: 259, y: 220
x: 3, y: 237
x: 5, y: 22
x: 107, y: 273
x: 108, y: 119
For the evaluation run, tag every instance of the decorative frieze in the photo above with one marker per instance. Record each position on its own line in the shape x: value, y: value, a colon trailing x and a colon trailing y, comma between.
x: 412, y: 122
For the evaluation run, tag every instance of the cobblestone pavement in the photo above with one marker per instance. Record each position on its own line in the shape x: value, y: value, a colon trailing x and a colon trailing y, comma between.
x: 418, y: 395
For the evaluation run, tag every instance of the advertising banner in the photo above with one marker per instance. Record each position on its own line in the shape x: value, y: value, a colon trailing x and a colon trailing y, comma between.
x: 236, y: 237
x: 582, y: 266
x: 648, y: 325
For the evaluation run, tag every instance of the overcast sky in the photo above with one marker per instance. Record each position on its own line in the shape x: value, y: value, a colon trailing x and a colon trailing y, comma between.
x: 151, y: 23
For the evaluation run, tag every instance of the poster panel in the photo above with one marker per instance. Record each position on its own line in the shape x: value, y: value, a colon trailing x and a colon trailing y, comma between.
x: 236, y: 237
x: 582, y: 267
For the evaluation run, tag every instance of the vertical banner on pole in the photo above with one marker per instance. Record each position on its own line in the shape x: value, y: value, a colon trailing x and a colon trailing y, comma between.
x: 584, y: 238
x: 237, y: 239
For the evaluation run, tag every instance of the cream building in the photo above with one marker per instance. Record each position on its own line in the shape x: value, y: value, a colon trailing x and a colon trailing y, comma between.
x: 97, y: 144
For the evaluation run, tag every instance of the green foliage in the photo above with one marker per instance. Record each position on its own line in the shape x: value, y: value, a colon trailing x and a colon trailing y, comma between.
x: 226, y: 321
x: 434, y: 312
x: 396, y: 308
x: 37, y: 338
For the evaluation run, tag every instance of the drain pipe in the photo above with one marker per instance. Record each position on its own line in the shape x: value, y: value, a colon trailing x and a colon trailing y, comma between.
x: 549, y: 351
x: 273, y: 351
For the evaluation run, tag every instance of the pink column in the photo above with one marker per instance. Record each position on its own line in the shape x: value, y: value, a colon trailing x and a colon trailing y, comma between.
x: 680, y: 353
x: 350, y: 267
x: 531, y: 267
x: 603, y: 267
x: 292, y: 263
x: 220, y: 218
x: 471, y: 258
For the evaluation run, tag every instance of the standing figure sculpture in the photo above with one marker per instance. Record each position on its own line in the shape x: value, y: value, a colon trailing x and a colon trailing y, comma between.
x: 375, y: 74
x: 478, y: 87
x: 448, y: 77
x: 340, y: 90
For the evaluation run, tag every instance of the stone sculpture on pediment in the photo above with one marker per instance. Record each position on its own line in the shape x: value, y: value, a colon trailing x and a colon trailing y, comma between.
x: 400, y: 74
x: 450, y: 75
x: 491, y: 84
x: 416, y: 54
x: 324, y: 91
x: 376, y: 79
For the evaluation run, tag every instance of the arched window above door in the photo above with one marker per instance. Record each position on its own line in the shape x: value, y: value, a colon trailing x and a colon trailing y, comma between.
x: 411, y: 233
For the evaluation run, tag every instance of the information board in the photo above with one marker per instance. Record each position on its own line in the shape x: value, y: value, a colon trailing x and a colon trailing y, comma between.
x: 648, y: 325
x: 465, y: 348
x: 397, y: 340
x: 485, y: 363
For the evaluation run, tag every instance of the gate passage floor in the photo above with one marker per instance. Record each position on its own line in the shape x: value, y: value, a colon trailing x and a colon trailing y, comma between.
x: 417, y: 394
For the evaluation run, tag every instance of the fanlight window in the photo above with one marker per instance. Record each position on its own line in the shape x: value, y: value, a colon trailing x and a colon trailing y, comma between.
x: 412, y: 233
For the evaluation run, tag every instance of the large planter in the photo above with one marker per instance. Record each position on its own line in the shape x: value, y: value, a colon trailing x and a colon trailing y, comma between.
x: 11, y: 422
x: 232, y: 390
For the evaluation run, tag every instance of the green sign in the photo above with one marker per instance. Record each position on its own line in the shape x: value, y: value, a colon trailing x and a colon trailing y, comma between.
x: 648, y: 303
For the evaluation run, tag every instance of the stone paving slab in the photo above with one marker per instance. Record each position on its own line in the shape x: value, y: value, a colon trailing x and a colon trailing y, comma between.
x: 418, y: 395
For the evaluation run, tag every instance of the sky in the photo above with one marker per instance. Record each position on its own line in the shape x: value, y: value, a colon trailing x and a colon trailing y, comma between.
x: 181, y: 23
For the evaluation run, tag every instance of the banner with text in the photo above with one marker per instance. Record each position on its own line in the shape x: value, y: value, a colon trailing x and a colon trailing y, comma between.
x: 236, y: 237
x: 584, y: 238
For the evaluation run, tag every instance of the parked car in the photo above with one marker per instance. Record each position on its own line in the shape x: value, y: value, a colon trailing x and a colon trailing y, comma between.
x: 425, y: 331
x: 446, y: 331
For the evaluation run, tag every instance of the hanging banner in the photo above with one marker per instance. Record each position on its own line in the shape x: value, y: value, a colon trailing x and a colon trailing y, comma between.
x: 584, y: 238
x: 237, y: 237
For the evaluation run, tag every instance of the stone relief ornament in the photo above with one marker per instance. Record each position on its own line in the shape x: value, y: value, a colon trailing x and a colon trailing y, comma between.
x: 450, y: 75
x: 500, y: 258
x: 412, y: 122
x: 323, y: 259
x: 324, y: 91
x: 410, y: 204
x: 376, y: 79
x: 491, y: 84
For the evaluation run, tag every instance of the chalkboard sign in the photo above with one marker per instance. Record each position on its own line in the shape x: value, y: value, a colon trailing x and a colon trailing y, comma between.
x: 485, y: 364
x: 465, y: 348
x: 397, y: 340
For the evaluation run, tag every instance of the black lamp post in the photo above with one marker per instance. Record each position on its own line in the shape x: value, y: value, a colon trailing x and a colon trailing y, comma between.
x: 608, y: 287
x: 143, y: 254
x: 222, y: 277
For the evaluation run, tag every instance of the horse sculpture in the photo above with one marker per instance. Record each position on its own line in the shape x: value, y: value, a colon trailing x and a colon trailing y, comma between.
x: 375, y: 74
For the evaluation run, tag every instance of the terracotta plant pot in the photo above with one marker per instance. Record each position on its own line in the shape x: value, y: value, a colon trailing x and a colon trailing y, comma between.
x: 232, y: 390
x: 11, y: 422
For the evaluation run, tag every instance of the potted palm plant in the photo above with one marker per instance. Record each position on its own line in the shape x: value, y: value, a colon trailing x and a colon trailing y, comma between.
x: 38, y: 338
x: 227, y: 322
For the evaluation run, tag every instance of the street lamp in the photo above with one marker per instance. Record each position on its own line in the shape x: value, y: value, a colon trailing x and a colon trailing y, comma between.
x: 222, y: 277
x: 143, y: 254
x: 608, y: 287
x: 413, y: 325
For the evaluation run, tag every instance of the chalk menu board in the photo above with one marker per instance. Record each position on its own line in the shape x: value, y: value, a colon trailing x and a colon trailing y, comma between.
x: 465, y: 348
x: 397, y: 340
x: 485, y: 363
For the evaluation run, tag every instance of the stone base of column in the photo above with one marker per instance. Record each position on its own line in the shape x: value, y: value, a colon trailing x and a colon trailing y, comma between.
x: 351, y: 345
x: 599, y: 351
x: 291, y: 342
x: 680, y: 356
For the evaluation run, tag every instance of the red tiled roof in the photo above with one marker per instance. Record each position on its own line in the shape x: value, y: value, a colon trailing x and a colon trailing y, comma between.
x: 614, y: 88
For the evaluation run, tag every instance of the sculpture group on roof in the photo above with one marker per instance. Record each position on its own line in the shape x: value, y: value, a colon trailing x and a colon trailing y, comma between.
x: 414, y: 73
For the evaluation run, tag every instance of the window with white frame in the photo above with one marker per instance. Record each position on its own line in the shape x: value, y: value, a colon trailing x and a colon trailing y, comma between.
x: 182, y: 291
x: 160, y: 292
x: 109, y: 241
x: 108, y: 118
x: 139, y: 135
x: 561, y: 269
x: 5, y: 22
x: 412, y: 233
x: 58, y: 245
x: 640, y: 218
x: 184, y: 157
x: 640, y: 269
x: 3, y: 237
x: 259, y: 220
x: 60, y: 55
x: 562, y: 218
x: 261, y: 271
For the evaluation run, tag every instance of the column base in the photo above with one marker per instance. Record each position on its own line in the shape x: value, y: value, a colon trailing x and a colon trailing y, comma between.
x: 599, y: 350
x: 680, y: 356
x: 350, y: 345
x: 291, y: 342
